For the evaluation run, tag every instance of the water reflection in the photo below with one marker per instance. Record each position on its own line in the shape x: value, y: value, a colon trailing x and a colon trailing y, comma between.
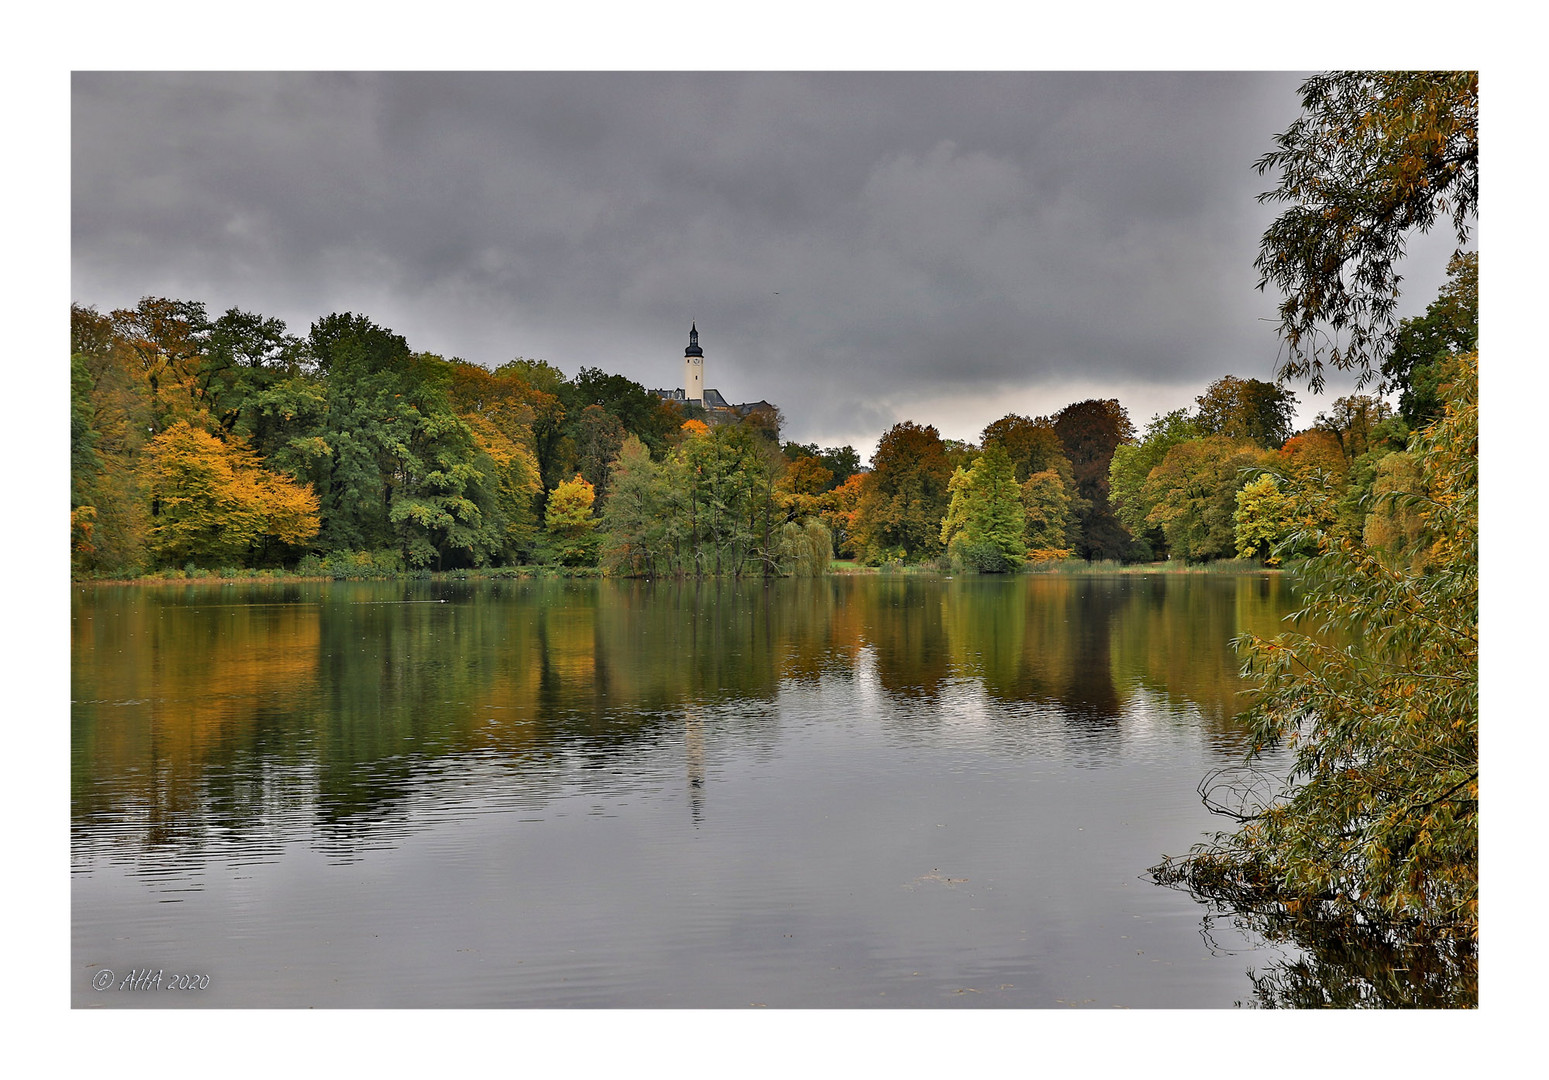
x: 208, y: 712
x: 771, y: 763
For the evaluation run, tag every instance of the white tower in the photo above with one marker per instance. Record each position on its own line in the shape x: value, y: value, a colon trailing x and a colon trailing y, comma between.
x: 694, y: 368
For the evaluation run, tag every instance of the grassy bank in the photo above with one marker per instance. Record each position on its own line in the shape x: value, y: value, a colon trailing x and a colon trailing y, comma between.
x: 356, y: 571
x: 234, y: 575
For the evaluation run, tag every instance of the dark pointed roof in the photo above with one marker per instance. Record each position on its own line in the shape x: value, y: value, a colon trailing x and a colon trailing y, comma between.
x: 693, y: 342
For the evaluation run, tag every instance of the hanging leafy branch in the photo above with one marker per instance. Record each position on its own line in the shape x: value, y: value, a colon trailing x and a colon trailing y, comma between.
x: 1374, y: 157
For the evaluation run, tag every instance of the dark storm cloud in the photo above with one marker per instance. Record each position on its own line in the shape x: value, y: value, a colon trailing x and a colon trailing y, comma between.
x: 854, y: 247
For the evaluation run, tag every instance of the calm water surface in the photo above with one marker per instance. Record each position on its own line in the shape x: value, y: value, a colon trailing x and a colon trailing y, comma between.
x: 853, y: 792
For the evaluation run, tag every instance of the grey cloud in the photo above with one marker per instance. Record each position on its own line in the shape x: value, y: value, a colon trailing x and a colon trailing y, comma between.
x: 845, y: 240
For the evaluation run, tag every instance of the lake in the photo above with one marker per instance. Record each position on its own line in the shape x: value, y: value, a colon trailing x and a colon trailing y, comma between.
x: 857, y: 791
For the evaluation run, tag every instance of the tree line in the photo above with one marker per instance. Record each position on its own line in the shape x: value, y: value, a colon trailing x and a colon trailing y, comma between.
x: 229, y: 442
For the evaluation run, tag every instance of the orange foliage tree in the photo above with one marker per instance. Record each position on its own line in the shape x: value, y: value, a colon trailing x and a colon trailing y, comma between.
x: 212, y: 503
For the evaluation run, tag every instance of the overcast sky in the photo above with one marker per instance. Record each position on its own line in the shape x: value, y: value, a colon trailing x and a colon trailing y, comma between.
x: 856, y: 248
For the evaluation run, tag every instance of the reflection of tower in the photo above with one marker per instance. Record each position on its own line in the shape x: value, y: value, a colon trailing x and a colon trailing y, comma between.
x: 694, y: 367
x: 694, y: 746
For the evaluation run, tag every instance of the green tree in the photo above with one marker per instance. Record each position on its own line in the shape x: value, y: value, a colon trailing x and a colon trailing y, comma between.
x: 805, y: 547
x: 1132, y: 464
x: 729, y: 475
x: 598, y: 436
x: 1246, y: 409
x: 1035, y: 448
x: 643, y: 522
x: 1374, y: 157
x: 1046, y: 511
x: 984, y: 524
x: 905, y: 496
x: 244, y: 354
x: 1279, y: 516
x: 1356, y: 423
x: 1193, y: 495
x: 842, y: 461
x: 1422, y: 347
x: 637, y: 411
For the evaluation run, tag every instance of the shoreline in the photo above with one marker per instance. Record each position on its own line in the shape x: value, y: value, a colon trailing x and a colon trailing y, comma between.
x: 1073, y: 568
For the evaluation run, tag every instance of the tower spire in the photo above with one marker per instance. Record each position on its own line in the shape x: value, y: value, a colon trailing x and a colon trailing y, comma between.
x: 694, y: 367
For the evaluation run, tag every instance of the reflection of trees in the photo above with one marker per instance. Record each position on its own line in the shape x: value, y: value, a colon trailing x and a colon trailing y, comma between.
x: 1346, y: 966
x: 209, y: 707
x: 145, y: 715
x: 1041, y: 639
x: 345, y: 702
x: 1173, y: 639
x: 902, y: 620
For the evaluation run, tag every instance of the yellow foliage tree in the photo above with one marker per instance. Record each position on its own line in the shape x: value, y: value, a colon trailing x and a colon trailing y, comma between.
x: 212, y: 502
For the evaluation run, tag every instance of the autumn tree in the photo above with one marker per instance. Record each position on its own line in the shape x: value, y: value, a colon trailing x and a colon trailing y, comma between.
x: 165, y: 339
x: 213, y: 503
x: 841, y: 462
x: 85, y: 466
x: 569, y: 528
x: 547, y: 391
x: 1032, y: 444
x: 1132, y: 464
x: 801, y: 485
x: 1372, y: 840
x: 1297, y: 494
x: 838, y: 512
x: 1394, y: 528
x: 1378, y: 697
x: 1278, y: 517
x: 111, y: 420
x: 1090, y: 431
x: 1193, y: 495
x: 905, y: 496
x: 1246, y: 409
x: 1374, y: 157
x: 498, y: 411
x: 1046, y: 516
